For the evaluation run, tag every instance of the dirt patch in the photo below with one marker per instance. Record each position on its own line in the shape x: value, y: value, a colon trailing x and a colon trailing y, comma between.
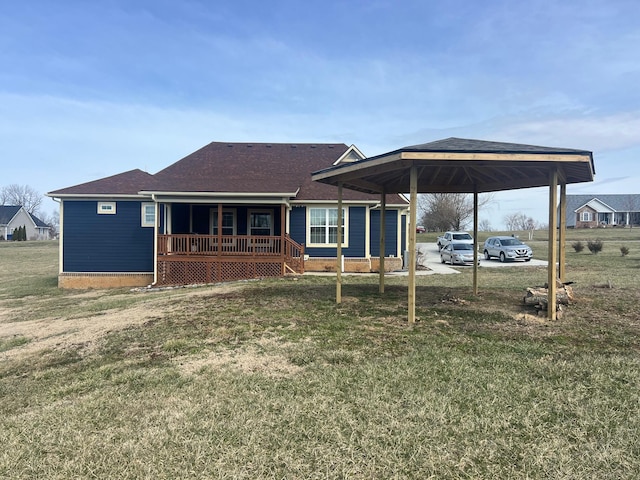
x: 86, y: 331
x: 248, y: 359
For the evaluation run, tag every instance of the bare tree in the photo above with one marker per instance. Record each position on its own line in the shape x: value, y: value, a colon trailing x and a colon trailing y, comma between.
x: 484, y: 225
x: 23, y: 195
x: 51, y: 220
x: 449, y: 211
x: 519, y: 221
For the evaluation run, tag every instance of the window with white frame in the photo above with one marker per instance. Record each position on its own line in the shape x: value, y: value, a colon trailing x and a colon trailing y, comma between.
x: 323, y: 226
x: 148, y: 214
x: 228, y: 222
x: 106, y: 208
x: 586, y: 216
x: 261, y: 222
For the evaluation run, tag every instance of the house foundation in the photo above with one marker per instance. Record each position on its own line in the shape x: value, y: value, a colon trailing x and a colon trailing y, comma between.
x: 83, y: 281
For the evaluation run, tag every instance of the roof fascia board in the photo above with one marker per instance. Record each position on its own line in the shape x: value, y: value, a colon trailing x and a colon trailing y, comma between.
x: 355, y: 167
x: 349, y: 202
x: 223, y: 200
x: 221, y: 194
x: 99, y: 196
x: 592, y: 203
x: 498, y: 157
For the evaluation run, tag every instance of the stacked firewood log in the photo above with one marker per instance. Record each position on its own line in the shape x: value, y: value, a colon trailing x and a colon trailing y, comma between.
x: 538, y: 297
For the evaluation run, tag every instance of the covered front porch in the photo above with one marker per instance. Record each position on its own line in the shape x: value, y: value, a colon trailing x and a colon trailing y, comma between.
x: 198, y: 243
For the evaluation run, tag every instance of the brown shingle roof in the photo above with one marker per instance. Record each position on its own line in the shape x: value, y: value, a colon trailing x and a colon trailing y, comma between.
x: 257, y: 168
x: 127, y: 183
x: 247, y: 167
x: 243, y: 168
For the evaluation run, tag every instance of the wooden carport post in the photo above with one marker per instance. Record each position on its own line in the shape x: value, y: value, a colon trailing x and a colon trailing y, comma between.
x: 383, y: 228
x: 413, y: 202
x: 339, y: 248
x: 553, y: 245
x: 475, y: 242
x: 562, y: 234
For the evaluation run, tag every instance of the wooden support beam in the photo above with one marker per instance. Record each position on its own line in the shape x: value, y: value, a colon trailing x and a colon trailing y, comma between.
x: 562, y: 234
x: 553, y: 244
x: 339, y: 248
x: 413, y: 206
x: 383, y: 230
x: 475, y: 243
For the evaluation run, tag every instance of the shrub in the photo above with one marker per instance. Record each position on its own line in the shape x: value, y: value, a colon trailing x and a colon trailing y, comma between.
x: 595, y: 246
x: 578, y: 246
x: 624, y: 250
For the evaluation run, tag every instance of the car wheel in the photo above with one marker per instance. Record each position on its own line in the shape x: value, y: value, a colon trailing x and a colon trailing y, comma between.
x: 502, y: 257
x: 486, y: 255
x: 527, y: 259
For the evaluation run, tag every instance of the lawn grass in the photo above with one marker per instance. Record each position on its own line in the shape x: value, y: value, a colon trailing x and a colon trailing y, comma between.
x: 272, y: 379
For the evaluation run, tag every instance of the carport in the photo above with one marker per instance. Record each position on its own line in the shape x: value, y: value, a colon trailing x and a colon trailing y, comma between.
x: 458, y: 165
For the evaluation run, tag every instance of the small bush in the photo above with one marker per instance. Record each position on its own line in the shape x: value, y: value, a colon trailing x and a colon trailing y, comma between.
x: 624, y: 251
x: 578, y: 246
x: 595, y: 246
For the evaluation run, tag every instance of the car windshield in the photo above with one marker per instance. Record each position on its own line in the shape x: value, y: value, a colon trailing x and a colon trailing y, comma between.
x: 462, y: 246
x: 462, y: 236
x: 509, y: 242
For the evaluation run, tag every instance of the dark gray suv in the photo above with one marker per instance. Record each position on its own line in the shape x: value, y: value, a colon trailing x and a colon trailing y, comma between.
x: 506, y: 248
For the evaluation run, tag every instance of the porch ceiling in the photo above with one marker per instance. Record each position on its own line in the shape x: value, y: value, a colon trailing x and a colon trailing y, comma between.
x: 462, y: 166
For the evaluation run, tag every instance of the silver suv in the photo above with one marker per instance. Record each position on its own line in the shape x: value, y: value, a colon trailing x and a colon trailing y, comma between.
x: 507, y: 248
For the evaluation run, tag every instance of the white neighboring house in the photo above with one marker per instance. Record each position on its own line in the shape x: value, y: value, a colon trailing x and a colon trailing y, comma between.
x: 14, y: 216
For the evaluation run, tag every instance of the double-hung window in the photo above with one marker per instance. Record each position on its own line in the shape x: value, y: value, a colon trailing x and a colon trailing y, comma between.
x: 323, y: 226
x: 148, y: 214
x: 228, y: 222
x: 586, y: 216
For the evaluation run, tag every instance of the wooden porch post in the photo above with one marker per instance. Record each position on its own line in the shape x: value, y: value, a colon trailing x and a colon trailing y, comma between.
x: 383, y: 229
x: 219, y: 227
x: 475, y: 242
x: 553, y: 245
x: 413, y: 202
x: 339, y: 248
x: 562, y: 234
x: 282, y: 242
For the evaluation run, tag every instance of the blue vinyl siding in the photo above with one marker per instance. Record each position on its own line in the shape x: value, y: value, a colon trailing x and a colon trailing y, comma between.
x: 298, y: 225
x: 403, y: 234
x: 106, y: 243
x: 357, y: 233
x: 391, y: 236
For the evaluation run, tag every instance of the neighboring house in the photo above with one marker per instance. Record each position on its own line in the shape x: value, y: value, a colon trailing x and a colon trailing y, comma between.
x: 227, y: 211
x: 590, y: 211
x: 14, y: 216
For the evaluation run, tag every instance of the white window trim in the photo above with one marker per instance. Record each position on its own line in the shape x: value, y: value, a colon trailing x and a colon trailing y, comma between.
x: 586, y: 216
x: 214, y: 211
x: 143, y: 214
x: 257, y: 210
x: 345, y: 216
x: 106, y: 208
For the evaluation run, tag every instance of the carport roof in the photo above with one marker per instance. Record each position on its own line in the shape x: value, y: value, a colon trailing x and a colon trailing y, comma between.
x: 458, y: 165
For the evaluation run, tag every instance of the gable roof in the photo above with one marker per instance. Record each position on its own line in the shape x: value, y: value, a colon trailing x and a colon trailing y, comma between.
x: 459, y: 165
x: 126, y: 183
x: 245, y: 169
x: 7, y: 212
x: 619, y: 202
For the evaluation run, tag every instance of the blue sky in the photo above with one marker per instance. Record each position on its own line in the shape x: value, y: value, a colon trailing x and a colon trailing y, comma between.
x: 90, y: 89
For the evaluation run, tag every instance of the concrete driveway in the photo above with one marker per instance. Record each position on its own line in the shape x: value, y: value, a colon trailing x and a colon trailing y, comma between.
x: 431, y: 259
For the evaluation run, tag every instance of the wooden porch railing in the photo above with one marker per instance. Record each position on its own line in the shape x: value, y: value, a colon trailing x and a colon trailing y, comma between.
x: 188, y: 259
